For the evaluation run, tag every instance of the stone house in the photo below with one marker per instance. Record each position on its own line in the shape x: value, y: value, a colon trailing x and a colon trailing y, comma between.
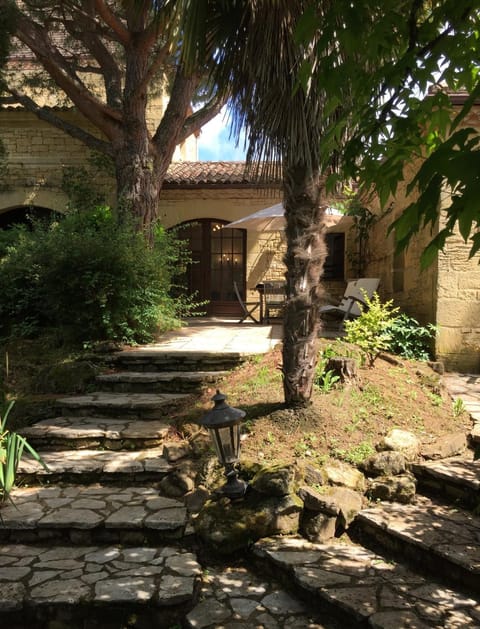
x: 447, y: 293
x: 201, y: 197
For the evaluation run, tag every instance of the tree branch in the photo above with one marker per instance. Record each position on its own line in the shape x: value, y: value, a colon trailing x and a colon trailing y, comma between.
x: 168, y: 132
x: 122, y: 34
x: 100, y: 114
x: 157, y: 61
x: 194, y: 122
x: 49, y: 116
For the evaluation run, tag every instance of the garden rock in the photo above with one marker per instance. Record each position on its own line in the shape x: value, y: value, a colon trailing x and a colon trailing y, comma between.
x: 400, y: 488
x: 175, y: 450
x: 386, y: 463
x: 313, y: 475
x: 349, y: 504
x: 195, y: 499
x: 338, y: 506
x: 402, y: 441
x: 178, y: 483
x: 317, y: 527
x: 319, y: 502
x: 276, y: 480
x: 228, y: 526
x: 445, y: 446
x: 344, y: 475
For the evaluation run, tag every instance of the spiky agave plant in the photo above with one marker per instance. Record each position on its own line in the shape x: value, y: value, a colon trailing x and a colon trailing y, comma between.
x: 12, y: 446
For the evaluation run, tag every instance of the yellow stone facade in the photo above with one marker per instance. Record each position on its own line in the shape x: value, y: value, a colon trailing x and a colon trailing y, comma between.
x: 447, y: 293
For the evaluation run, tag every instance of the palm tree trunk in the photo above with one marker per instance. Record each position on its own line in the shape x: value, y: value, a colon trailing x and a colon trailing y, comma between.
x: 304, y: 259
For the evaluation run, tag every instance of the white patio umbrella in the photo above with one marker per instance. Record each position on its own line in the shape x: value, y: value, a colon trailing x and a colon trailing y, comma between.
x: 272, y: 219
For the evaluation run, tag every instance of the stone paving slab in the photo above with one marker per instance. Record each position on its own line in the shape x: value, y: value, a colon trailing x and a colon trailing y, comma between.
x: 235, y: 597
x: 149, y: 382
x: 137, y: 405
x: 97, y: 465
x: 34, y: 576
x: 241, y: 339
x: 159, y: 360
x: 457, y: 478
x: 91, y: 432
x: 438, y: 537
x: 91, y: 513
x: 368, y: 589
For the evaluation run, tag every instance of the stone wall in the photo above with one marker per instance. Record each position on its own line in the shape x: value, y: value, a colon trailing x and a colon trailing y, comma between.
x: 263, y: 250
x: 401, y: 279
x: 447, y: 293
x: 37, y: 153
x: 458, y: 307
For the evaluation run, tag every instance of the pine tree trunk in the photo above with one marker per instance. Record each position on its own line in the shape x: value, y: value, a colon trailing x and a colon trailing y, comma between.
x: 142, y: 160
x: 138, y: 185
x: 305, y: 257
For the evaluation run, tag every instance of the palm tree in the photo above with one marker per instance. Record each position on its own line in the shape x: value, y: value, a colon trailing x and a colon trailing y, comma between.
x: 258, y: 62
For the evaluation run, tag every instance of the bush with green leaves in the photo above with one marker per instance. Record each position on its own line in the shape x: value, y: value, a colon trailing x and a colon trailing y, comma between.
x: 409, y: 339
x: 371, y: 330
x: 91, y: 279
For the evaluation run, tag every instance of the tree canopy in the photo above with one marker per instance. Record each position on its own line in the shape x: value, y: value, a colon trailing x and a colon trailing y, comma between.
x: 403, y: 77
x: 108, y: 60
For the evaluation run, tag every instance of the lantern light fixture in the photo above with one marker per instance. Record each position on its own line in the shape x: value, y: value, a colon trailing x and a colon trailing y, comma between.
x: 223, y: 423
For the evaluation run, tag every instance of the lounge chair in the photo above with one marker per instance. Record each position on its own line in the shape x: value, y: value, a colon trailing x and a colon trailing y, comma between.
x: 274, y: 294
x: 352, y: 301
x: 248, y: 307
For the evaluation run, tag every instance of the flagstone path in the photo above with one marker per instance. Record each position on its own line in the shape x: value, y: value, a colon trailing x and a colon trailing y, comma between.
x: 94, y: 544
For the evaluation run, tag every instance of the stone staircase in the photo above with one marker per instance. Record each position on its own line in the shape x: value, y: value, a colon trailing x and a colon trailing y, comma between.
x: 93, y: 543
x: 404, y: 565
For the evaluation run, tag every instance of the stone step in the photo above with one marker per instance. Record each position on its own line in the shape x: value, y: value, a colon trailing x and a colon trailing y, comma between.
x: 457, y: 479
x: 363, y: 588
x: 133, y: 405
x: 437, y: 538
x: 96, y: 584
x: 93, y: 466
x: 147, y: 359
x: 96, y: 432
x: 160, y: 381
x: 94, y: 514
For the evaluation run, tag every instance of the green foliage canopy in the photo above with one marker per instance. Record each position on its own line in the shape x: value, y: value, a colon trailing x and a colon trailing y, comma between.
x: 90, y: 279
x: 390, y: 84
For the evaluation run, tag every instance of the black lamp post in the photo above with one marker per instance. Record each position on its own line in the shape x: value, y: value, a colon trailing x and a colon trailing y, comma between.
x: 223, y: 423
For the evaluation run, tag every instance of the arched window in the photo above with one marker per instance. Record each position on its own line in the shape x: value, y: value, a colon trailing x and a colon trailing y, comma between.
x: 218, y: 260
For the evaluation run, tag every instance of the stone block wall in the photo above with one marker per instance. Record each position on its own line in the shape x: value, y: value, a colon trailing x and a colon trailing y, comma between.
x: 458, y: 307
x: 446, y: 294
x: 263, y: 250
x: 37, y: 153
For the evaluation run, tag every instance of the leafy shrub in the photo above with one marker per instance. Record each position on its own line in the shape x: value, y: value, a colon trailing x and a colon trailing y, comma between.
x: 91, y: 279
x: 371, y: 330
x: 409, y: 339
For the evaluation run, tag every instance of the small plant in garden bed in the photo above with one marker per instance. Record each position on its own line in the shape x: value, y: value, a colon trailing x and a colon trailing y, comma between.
x: 12, y: 446
x: 370, y: 331
x: 409, y: 339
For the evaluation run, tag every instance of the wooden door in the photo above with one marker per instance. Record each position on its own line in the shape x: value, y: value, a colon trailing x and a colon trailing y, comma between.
x: 218, y: 259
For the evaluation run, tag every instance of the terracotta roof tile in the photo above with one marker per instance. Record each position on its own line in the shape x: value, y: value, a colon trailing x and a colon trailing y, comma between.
x: 212, y: 173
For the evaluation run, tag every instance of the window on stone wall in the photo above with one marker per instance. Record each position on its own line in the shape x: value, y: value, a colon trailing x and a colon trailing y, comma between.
x: 334, y: 268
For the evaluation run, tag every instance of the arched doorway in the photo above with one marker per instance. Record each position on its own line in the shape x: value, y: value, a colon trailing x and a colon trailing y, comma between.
x: 24, y: 215
x: 218, y: 260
